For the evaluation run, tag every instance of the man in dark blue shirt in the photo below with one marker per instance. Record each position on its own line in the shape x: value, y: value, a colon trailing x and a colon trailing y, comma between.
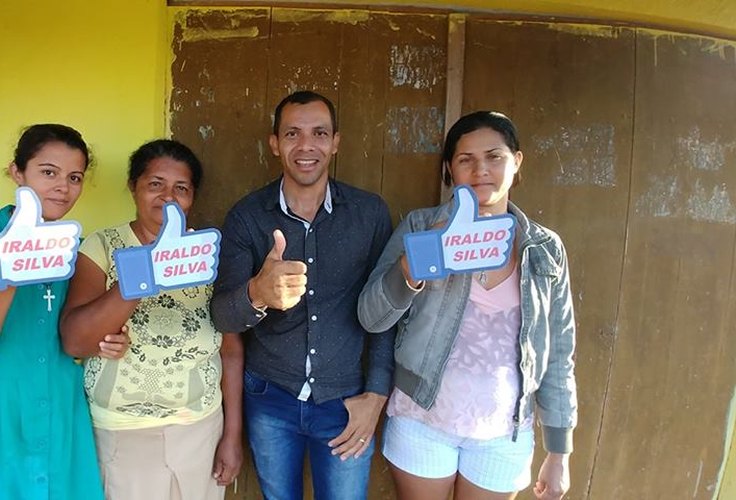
x: 294, y: 257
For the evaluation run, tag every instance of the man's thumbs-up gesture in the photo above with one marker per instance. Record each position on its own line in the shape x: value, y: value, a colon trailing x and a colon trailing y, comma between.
x: 280, y: 283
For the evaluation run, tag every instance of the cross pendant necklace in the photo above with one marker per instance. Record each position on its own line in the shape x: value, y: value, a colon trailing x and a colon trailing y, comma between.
x: 49, y: 297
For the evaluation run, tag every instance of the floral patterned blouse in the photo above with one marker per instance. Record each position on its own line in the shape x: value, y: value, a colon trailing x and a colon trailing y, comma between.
x: 171, y: 373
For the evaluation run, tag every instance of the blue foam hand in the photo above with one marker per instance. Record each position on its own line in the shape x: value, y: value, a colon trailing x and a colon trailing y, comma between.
x: 177, y: 259
x: 468, y: 243
x: 34, y: 251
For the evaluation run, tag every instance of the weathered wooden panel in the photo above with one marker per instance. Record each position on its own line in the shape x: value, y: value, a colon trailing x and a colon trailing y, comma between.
x: 218, y: 102
x: 627, y: 144
x: 413, y: 110
x: 362, y: 95
x: 391, y: 107
x: 673, y: 376
x: 571, y: 96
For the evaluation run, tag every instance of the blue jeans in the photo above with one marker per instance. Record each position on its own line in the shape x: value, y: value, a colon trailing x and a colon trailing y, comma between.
x: 281, y: 429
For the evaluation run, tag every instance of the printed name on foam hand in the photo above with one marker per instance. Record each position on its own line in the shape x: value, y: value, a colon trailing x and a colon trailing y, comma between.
x: 37, y: 245
x: 184, y: 253
x: 479, y: 237
x: 17, y: 246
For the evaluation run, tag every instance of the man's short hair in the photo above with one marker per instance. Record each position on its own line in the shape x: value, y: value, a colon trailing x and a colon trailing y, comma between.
x: 303, y: 97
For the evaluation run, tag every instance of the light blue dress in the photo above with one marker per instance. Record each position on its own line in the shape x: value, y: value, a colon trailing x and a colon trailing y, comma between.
x: 47, y: 448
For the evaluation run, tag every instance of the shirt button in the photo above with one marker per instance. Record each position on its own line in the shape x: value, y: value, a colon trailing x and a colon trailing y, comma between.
x: 311, y: 380
x: 41, y: 321
x: 314, y: 317
x: 313, y: 351
x: 311, y: 292
x: 311, y: 229
x: 42, y: 403
x: 41, y: 359
x: 310, y: 260
x: 41, y: 287
x: 41, y: 479
x: 41, y: 444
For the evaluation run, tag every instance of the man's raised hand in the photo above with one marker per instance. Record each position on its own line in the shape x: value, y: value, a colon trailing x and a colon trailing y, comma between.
x: 280, y: 283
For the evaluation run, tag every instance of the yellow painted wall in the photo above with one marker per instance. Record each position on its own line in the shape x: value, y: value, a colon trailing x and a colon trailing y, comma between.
x: 100, y: 70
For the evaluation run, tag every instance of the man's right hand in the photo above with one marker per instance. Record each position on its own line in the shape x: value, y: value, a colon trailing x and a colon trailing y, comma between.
x: 280, y: 283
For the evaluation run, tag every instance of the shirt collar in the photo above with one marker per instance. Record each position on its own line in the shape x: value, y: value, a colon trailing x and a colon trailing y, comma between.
x: 327, y: 204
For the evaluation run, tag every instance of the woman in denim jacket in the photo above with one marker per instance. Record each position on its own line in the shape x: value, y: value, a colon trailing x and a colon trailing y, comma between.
x: 478, y: 355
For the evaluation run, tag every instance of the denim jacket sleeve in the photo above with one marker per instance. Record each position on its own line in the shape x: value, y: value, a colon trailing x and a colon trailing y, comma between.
x: 386, y: 296
x: 556, y: 397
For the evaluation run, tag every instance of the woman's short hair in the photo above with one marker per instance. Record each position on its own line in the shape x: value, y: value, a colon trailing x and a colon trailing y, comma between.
x: 163, y: 148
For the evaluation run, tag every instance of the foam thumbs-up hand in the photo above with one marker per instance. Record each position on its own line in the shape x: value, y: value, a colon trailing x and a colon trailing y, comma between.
x: 34, y: 251
x: 177, y: 259
x: 468, y: 243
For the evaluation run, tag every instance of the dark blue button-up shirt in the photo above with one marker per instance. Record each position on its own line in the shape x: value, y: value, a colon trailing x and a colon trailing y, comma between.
x: 340, y: 249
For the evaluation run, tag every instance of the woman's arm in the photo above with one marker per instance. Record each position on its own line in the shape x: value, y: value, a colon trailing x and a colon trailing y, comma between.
x: 557, y: 395
x: 91, y: 312
x: 387, y: 295
x: 229, y: 454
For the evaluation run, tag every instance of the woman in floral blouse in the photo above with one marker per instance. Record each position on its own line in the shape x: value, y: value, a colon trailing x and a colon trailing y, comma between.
x: 157, y: 412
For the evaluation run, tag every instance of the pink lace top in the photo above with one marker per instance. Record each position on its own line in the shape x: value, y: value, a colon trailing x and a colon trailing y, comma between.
x: 480, y: 385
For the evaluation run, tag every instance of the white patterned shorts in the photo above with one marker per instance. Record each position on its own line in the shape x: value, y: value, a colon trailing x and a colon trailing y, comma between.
x: 500, y: 464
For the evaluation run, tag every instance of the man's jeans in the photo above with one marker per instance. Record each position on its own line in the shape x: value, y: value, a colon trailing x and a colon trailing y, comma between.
x: 281, y: 428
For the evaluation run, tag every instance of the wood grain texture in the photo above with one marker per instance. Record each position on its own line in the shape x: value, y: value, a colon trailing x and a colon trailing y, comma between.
x: 390, y: 107
x: 218, y: 103
x: 673, y: 376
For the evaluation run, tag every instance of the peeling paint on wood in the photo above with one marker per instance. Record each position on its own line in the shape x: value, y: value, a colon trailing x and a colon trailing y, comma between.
x: 587, y: 30
x: 416, y: 67
x: 206, y: 131
x: 346, y: 16
x: 415, y: 130
x: 661, y: 198
x: 692, y: 187
x: 697, y: 152
x: 711, y: 205
x: 726, y: 49
x: 217, y: 24
x: 584, y: 155
x: 667, y: 197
